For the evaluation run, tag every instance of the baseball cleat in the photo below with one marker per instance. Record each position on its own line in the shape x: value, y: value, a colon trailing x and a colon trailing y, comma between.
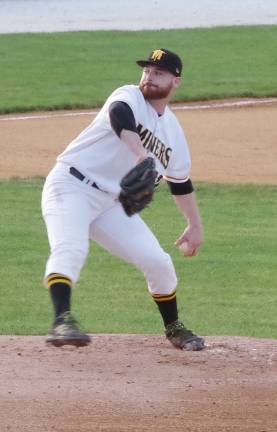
x: 65, y: 331
x: 183, y: 338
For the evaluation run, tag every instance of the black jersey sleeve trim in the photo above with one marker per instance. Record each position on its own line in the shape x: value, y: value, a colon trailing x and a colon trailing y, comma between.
x: 184, y: 188
x: 121, y: 117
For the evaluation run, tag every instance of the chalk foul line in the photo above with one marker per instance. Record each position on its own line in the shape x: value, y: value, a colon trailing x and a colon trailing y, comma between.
x: 188, y: 107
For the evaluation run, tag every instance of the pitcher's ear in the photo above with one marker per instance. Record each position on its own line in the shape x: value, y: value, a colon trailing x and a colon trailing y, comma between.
x: 177, y: 82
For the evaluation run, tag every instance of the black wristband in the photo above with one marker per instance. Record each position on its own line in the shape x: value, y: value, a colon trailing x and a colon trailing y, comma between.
x: 184, y: 188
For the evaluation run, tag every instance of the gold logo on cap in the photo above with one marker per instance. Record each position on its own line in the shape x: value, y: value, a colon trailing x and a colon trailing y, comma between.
x: 157, y: 55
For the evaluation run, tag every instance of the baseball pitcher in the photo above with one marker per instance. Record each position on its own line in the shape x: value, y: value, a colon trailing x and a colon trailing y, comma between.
x: 102, y: 181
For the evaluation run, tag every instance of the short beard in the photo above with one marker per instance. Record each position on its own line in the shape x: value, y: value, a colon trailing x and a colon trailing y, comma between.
x: 153, y: 92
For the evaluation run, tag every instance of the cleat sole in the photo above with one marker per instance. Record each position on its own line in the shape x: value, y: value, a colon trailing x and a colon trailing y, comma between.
x: 61, y: 341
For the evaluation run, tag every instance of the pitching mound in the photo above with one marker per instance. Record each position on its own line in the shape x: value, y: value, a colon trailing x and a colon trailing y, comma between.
x: 138, y: 383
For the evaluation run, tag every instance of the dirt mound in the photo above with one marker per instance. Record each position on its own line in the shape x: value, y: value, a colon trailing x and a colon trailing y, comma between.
x: 138, y: 383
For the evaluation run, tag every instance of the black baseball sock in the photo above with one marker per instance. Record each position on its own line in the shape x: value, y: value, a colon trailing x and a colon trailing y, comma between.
x: 60, y: 291
x: 167, y: 305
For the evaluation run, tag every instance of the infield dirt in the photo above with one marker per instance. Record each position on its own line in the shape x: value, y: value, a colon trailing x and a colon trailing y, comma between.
x: 235, y: 144
x: 140, y: 382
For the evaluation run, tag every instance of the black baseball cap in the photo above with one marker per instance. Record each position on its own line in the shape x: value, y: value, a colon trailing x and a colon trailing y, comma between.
x: 165, y: 59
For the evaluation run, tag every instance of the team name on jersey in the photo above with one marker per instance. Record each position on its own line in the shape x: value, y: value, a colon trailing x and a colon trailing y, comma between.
x: 154, y: 145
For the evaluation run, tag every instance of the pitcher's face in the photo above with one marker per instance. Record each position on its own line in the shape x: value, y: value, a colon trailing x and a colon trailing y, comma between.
x: 157, y: 83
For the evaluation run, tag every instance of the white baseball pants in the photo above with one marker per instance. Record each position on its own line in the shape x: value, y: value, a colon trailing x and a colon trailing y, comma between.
x: 76, y: 213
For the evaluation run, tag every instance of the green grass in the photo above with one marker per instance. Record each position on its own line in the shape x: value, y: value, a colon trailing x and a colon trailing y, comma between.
x: 80, y: 69
x: 229, y: 288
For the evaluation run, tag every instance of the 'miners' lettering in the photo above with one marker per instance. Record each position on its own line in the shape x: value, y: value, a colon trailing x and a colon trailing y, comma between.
x: 154, y: 145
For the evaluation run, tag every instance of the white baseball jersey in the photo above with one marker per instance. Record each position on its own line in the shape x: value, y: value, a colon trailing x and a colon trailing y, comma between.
x: 99, y: 154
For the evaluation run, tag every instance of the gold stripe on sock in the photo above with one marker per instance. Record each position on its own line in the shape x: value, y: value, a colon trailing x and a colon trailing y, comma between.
x: 57, y: 278
x: 65, y: 281
x: 164, y: 297
x: 57, y: 275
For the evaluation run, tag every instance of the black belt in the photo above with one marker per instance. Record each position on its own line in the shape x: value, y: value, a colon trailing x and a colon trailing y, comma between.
x: 81, y: 177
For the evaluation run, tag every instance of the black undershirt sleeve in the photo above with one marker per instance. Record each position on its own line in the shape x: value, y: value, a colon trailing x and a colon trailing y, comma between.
x: 184, y: 188
x: 121, y: 117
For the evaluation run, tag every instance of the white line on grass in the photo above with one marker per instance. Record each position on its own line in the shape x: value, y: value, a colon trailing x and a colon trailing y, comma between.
x: 200, y: 106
